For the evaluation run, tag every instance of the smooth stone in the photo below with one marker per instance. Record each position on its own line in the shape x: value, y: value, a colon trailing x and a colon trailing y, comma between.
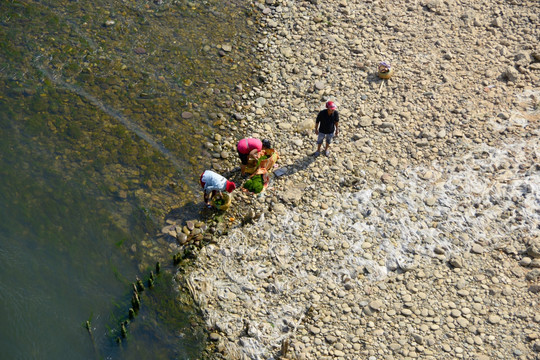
x: 187, y: 115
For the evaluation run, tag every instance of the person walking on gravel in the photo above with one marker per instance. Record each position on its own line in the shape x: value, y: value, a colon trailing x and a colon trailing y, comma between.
x: 326, y: 127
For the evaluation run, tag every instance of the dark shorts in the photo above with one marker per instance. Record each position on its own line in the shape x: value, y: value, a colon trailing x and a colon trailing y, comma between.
x: 243, y: 158
x: 322, y: 136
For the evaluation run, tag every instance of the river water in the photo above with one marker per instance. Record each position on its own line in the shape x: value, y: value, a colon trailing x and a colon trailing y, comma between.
x: 104, y: 110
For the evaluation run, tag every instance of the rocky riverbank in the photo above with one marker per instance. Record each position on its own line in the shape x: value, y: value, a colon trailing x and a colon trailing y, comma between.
x: 418, y: 236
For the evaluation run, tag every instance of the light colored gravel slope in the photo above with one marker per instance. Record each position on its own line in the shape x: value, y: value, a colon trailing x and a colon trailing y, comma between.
x: 418, y: 237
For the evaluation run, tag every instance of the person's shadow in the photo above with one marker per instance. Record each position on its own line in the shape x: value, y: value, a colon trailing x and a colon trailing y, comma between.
x: 299, y: 164
x: 189, y: 211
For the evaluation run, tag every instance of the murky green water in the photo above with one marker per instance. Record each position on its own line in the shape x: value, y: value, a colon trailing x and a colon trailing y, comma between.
x: 104, y: 107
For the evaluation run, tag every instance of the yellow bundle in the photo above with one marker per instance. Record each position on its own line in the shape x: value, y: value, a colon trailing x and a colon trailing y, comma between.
x: 256, y: 164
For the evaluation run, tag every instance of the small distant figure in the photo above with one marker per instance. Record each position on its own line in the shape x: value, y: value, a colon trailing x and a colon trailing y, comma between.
x: 385, y: 70
x: 250, y: 147
x: 326, y: 126
x: 384, y: 67
x: 213, y: 184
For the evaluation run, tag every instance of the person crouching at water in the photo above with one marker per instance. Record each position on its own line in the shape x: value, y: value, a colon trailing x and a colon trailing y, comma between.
x: 249, y: 146
x: 213, y: 184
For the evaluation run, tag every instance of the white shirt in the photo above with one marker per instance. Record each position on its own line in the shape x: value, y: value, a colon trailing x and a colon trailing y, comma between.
x: 213, y: 181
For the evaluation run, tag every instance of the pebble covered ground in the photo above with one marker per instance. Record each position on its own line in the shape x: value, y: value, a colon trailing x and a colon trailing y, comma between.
x: 418, y: 236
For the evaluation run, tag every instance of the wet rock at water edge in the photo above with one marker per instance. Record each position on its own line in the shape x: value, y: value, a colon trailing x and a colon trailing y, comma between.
x: 187, y: 115
x: 182, y: 238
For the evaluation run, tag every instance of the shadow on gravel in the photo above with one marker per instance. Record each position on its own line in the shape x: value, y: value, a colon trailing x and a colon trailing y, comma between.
x: 299, y: 164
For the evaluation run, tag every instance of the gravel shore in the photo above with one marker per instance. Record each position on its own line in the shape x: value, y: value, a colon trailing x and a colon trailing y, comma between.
x: 419, y: 235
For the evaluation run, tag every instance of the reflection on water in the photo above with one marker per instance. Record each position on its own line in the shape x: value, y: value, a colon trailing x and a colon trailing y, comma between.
x: 128, y: 124
x: 103, y: 110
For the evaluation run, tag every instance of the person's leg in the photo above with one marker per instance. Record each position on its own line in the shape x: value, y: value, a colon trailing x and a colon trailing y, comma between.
x: 320, y: 139
x: 328, y: 141
x: 243, y: 162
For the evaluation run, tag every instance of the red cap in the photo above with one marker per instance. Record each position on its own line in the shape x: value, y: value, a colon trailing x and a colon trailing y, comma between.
x: 230, y: 186
x: 330, y: 105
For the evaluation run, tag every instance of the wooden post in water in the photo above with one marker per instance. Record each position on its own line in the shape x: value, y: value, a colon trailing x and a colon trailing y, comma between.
x: 177, y: 258
x: 140, y: 285
x: 135, y: 301
x: 88, y: 327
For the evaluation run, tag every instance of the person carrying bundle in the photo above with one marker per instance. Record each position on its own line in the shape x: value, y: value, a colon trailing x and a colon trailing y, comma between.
x: 260, y: 165
x: 248, y: 150
x: 265, y: 158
